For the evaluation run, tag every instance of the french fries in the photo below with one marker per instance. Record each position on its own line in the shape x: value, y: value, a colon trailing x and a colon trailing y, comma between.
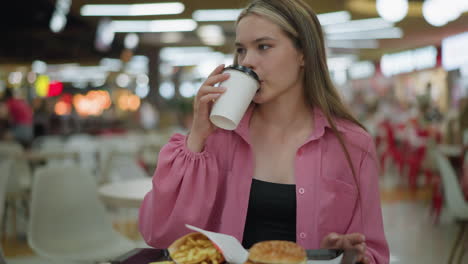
x: 195, y: 248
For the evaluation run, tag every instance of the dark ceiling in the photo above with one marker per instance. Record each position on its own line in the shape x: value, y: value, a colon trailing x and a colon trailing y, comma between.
x: 24, y: 27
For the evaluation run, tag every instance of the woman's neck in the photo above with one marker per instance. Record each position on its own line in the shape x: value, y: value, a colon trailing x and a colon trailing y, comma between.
x: 283, y: 114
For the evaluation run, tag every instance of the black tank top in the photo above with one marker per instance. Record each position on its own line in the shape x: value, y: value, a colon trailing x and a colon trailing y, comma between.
x: 271, y: 214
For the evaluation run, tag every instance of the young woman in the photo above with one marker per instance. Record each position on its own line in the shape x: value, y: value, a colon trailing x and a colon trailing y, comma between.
x: 298, y: 167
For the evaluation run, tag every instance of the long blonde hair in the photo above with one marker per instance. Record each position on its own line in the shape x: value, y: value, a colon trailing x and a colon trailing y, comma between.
x: 302, y: 26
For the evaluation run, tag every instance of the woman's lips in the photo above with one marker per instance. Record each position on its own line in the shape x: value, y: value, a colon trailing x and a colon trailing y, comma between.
x: 259, y: 86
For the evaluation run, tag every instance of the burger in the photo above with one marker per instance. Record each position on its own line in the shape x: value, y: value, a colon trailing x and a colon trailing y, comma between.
x: 277, y: 252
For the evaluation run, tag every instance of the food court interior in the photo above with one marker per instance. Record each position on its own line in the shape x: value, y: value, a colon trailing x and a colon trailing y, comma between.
x: 101, y: 85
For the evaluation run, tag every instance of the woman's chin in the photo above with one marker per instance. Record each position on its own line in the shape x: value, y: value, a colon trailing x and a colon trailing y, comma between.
x: 257, y: 99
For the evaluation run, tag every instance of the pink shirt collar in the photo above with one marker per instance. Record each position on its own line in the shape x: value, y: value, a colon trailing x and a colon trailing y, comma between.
x: 319, y: 119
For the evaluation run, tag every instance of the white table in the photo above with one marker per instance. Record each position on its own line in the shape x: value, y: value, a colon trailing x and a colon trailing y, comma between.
x: 125, y: 195
x: 128, y: 193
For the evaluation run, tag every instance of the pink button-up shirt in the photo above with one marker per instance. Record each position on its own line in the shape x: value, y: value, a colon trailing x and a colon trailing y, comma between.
x: 211, y: 189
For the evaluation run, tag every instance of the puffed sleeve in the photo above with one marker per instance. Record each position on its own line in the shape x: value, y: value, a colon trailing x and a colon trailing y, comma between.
x: 184, y: 192
x: 368, y: 217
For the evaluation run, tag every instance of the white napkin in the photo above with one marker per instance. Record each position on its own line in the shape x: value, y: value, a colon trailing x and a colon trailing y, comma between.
x: 229, y: 246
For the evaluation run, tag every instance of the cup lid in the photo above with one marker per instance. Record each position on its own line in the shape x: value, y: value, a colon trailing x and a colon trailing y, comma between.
x: 245, y: 70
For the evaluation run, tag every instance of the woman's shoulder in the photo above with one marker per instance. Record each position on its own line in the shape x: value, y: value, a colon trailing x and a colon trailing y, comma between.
x: 354, y: 133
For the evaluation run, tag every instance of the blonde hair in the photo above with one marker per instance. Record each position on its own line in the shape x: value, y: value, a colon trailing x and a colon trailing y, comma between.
x: 302, y: 26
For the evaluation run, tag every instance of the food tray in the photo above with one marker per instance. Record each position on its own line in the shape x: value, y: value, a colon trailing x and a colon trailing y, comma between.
x: 148, y: 255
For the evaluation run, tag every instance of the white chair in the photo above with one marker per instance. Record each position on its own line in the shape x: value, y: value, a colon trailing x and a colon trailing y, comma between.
x: 5, y: 166
x: 18, y: 184
x: 120, y: 166
x: 118, y: 159
x: 455, y: 201
x: 86, y: 148
x: 68, y: 222
x: 51, y: 144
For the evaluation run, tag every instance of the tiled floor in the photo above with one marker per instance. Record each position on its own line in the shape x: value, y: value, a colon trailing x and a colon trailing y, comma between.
x: 410, y: 231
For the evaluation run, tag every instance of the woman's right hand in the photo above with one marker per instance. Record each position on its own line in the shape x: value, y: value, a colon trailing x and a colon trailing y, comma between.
x: 207, y: 94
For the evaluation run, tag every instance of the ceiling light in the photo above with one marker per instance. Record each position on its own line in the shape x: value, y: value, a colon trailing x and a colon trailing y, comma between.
x: 168, y: 53
x: 133, y: 10
x: 216, y: 14
x: 109, y: 64
x: 167, y: 90
x: 174, y: 25
x: 358, y: 25
x: 454, y: 52
x: 142, y: 79
x: 171, y: 37
x: 142, y: 90
x: 59, y: 17
x: 408, y: 61
x: 187, y: 89
x: 104, y: 35
x: 387, y: 33
x: 353, y: 44
x: 39, y: 67
x: 57, y: 22
x: 434, y: 12
x: 186, y: 56
x: 122, y: 80
x: 341, y: 62
x: 362, y: 70
x: 392, y: 10
x: 334, y: 18
x: 211, y: 35
x: 131, y: 41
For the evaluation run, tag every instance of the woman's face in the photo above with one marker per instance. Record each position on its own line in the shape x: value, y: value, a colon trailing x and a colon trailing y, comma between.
x: 264, y: 47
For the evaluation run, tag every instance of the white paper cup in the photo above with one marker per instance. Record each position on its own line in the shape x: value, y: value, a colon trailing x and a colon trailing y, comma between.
x: 230, y: 107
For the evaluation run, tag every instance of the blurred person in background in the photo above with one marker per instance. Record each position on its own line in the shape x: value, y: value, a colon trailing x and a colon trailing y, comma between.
x: 298, y: 167
x: 148, y: 115
x: 20, y: 115
x: 5, y: 133
x: 41, y: 117
x: 429, y: 110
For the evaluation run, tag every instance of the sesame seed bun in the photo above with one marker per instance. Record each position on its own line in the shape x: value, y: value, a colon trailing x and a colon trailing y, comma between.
x: 277, y: 252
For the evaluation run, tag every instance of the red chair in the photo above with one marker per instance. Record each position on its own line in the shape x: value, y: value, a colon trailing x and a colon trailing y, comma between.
x: 416, y: 156
x: 391, y: 150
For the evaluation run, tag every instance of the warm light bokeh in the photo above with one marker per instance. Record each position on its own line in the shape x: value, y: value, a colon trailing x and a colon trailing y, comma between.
x: 127, y: 101
x: 62, y: 108
x: 92, y: 104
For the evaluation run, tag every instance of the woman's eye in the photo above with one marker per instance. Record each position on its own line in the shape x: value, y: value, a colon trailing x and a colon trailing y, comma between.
x: 263, y: 47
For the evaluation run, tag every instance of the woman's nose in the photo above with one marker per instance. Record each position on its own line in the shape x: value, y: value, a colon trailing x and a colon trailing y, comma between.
x: 248, y: 61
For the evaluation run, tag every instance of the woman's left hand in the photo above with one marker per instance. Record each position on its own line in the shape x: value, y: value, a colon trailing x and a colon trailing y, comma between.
x: 347, y: 241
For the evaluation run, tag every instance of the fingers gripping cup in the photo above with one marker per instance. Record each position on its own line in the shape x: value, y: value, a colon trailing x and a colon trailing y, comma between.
x: 230, y: 107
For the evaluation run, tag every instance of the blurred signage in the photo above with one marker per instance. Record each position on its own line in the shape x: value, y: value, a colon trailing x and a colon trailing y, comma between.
x: 42, y: 85
x: 55, y: 88
x: 454, y: 51
x: 408, y: 61
x: 45, y: 87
